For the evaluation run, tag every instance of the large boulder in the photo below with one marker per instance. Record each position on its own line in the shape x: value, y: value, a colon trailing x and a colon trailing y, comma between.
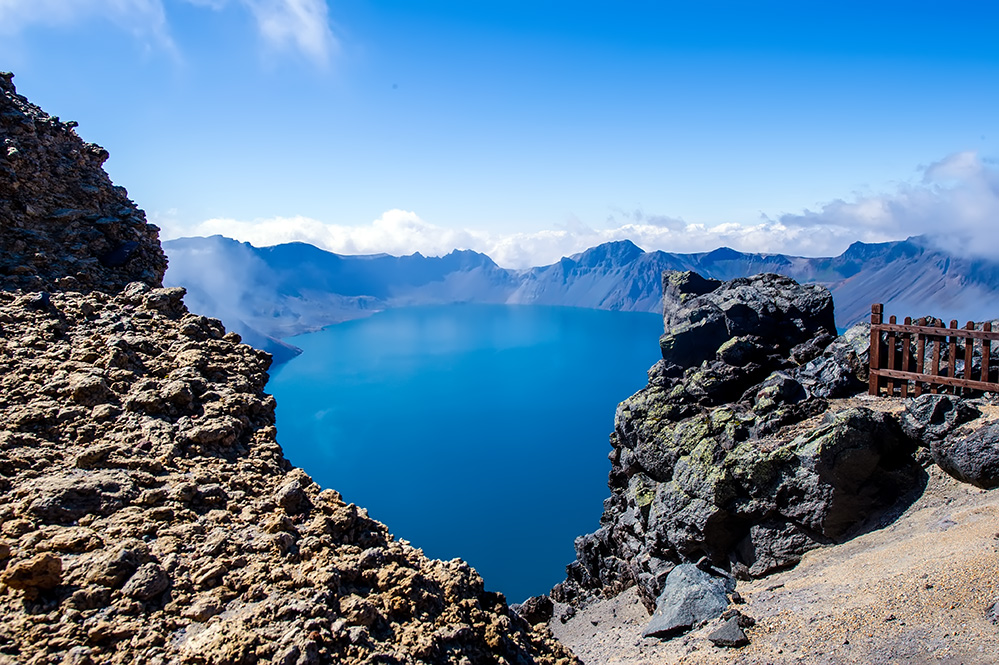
x: 971, y: 459
x: 929, y: 418
x: 701, y: 315
x: 689, y: 598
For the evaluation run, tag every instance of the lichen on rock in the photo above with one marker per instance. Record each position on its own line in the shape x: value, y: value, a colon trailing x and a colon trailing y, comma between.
x: 730, y: 454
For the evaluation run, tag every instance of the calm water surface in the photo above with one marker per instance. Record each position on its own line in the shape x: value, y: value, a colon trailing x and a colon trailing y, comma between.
x: 473, y: 431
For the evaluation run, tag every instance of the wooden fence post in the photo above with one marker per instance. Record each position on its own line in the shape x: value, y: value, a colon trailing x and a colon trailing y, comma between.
x: 952, y: 356
x: 920, y: 355
x: 969, y: 348
x: 906, y: 341
x: 877, y: 310
x: 986, y: 351
x: 890, y: 383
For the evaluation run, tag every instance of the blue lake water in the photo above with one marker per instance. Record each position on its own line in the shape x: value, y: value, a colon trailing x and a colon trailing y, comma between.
x: 473, y: 431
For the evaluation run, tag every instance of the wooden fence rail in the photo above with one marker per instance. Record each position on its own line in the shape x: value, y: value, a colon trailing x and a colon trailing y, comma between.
x: 937, y: 358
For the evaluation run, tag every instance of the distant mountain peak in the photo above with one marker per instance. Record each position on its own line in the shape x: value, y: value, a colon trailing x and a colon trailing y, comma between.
x: 723, y: 254
x: 615, y: 252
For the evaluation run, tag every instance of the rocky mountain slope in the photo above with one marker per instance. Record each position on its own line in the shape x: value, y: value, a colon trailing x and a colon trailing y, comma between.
x: 753, y: 445
x: 270, y: 293
x: 148, y: 514
x: 918, y: 591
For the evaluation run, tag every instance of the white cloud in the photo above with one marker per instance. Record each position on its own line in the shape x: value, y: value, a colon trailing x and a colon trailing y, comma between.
x: 146, y: 19
x: 402, y: 232
x: 302, y: 25
x: 957, y: 203
x: 959, y: 166
x: 395, y: 232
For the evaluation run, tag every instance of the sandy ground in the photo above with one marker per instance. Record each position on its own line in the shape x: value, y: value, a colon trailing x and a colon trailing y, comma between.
x: 916, y: 591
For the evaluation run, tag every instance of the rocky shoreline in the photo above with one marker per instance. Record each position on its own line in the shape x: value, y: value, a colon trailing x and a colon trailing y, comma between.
x: 148, y: 514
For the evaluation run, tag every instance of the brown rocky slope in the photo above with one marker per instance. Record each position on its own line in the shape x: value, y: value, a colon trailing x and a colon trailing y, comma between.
x: 148, y: 514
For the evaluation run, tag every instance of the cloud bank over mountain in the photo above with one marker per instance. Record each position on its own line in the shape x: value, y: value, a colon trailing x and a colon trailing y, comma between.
x: 954, y: 202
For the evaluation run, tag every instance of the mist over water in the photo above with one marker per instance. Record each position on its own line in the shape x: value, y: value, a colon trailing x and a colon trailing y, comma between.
x: 473, y: 431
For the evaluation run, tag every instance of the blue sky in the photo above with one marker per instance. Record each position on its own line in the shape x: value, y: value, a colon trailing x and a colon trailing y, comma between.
x: 530, y: 130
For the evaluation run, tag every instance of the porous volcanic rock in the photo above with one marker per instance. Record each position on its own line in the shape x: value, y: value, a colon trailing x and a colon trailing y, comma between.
x: 148, y: 514
x: 726, y: 454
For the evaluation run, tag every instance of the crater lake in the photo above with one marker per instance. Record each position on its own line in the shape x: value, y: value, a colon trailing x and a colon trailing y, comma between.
x: 472, y: 431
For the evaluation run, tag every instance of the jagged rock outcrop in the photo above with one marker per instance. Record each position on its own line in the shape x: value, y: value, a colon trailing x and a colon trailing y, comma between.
x: 148, y: 514
x: 63, y: 223
x: 726, y: 454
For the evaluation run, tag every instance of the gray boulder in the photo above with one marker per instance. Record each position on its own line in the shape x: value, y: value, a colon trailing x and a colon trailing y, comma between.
x: 773, y: 545
x: 536, y: 609
x: 729, y: 634
x: 929, y: 417
x: 67, y: 496
x: 857, y: 461
x: 684, y: 490
x: 971, y: 459
x: 840, y: 369
x: 701, y: 315
x: 689, y: 598
x: 705, y: 462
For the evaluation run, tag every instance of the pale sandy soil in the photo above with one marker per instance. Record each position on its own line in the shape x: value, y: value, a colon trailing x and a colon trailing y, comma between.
x: 916, y: 591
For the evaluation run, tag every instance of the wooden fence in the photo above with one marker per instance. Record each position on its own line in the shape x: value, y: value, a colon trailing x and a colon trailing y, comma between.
x: 929, y: 357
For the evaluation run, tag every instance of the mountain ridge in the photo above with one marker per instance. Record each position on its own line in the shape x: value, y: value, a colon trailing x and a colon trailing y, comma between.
x: 269, y: 294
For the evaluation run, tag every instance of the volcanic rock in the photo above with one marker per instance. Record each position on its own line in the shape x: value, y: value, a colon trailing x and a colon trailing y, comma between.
x: 147, y: 511
x: 713, y: 459
x: 930, y: 417
x: 689, y: 598
x: 729, y: 634
x: 774, y: 311
x: 973, y: 458
x: 536, y: 609
x: 42, y: 571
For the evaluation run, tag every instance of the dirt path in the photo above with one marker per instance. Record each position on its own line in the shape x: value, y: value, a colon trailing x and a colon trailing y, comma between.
x: 915, y: 592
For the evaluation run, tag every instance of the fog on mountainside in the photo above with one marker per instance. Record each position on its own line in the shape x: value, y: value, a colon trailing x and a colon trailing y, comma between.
x: 269, y: 294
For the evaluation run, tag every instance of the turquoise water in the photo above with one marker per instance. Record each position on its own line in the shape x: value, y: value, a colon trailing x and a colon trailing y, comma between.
x: 473, y: 431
